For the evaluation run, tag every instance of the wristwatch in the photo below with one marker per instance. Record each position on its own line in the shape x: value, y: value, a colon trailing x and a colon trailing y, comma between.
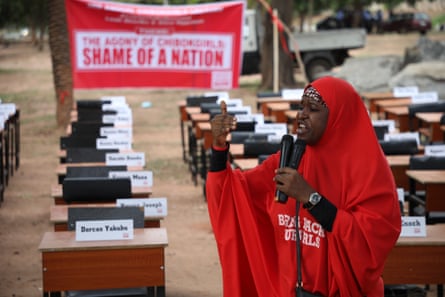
x: 314, y: 198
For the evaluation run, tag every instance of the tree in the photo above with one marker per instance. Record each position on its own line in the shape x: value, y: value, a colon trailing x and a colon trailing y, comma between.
x: 286, y: 64
x: 61, y: 60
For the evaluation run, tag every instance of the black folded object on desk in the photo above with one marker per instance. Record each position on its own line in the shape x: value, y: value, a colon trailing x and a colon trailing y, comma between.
x: 87, y: 154
x: 92, y: 171
x: 95, y: 189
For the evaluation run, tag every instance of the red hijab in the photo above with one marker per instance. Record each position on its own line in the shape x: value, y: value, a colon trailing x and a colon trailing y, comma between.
x: 349, y: 168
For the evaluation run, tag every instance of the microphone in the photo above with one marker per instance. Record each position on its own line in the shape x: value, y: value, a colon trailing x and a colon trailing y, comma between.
x: 286, y: 150
x: 297, y: 153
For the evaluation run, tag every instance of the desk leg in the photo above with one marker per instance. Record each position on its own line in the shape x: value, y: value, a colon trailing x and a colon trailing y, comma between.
x: 156, y: 291
x: 440, y: 290
x: 52, y: 294
x: 160, y: 291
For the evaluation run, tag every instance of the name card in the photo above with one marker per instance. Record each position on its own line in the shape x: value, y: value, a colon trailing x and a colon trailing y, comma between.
x: 277, y: 128
x: 119, y: 109
x: 138, y: 178
x: 390, y: 123
x: 104, y: 230
x: 241, y: 109
x: 424, y: 97
x: 3, y: 119
x: 114, y: 132
x: 153, y: 207
x: 115, y: 99
x: 116, y: 119
x: 435, y: 150
x: 235, y: 102
x: 292, y: 94
x: 403, y: 135
x: 254, y: 117
x: 405, y: 91
x: 125, y: 159
x: 9, y: 108
x: 401, y: 194
x: 113, y: 143
x: 413, y: 226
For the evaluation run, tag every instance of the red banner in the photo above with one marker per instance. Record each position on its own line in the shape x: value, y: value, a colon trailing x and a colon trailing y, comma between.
x: 117, y: 45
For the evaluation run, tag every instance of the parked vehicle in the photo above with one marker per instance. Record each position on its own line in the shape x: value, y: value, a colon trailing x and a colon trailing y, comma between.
x: 320, y: 51
x: 344, y: 19
x: 407, y: 22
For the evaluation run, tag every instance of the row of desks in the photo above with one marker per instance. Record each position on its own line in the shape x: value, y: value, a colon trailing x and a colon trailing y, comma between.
x: 71, y: 265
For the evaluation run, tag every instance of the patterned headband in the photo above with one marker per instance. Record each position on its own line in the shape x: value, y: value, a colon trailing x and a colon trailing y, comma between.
x: 313, y: 94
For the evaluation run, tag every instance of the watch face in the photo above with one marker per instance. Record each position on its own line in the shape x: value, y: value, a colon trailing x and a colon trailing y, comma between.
x: 314, y: 198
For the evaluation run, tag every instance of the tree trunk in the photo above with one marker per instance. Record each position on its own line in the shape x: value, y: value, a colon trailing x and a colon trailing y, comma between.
x: 286, y: 63
x: 61, y: 61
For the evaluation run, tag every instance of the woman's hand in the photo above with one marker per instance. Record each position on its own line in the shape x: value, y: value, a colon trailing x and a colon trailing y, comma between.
x: 221, y: 125
x: 291, y: 183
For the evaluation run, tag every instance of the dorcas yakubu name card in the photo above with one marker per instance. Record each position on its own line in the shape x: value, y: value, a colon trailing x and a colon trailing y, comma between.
x: 104, y: 230
x: 413, y: 226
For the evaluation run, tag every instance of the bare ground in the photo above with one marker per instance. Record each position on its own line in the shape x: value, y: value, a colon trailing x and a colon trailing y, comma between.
x: 192, y: 266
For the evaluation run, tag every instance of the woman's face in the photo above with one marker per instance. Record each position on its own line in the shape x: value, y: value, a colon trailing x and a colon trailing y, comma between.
x: 311, y: 120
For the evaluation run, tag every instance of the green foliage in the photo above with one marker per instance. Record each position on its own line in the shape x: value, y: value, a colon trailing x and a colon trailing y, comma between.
x: 438, y: 20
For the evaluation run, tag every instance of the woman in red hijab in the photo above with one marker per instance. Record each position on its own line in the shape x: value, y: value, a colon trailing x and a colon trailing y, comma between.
x: 349, y: 218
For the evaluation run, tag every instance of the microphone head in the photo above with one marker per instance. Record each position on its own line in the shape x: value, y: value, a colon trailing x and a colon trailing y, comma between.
x: 300, y: 142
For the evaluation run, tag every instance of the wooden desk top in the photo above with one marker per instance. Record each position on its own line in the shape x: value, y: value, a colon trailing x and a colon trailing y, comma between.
x: 427, y: 176
x: 199, y: 117
x: 398, y: 160
x: 397, y: 110
x: 59, y: 213
x: 429, y: 117
x: 66, y: 241
x: 278, y: 105
x: 378, y: 95
x: 277, y: 99
x: 245, y: 163
x: 393, y: 102
x: 435, y: 235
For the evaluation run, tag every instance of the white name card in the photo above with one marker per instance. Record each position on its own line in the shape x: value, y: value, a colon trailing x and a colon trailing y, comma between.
x: 114, y: 132
x: 405, y: 91
x: 413, y: 226
x: 9, y: 108
x: 138, y: 178
x: 117, y: 119
x: 403, y: 135
x: 241, y: 109
x: 234, y: 102
x: 153, y: 207
x: 113, y: 143
x: 390, y: 123
x: 125, y: 159
x: 424, y: 97
x: 114, y: 99
x: 119, y: 109
x: 292, y: 94
x: 104, y: 230
x: 401, y: 194
x: 254, y: 117
x: 277, y: 128
x: 435, y: 150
